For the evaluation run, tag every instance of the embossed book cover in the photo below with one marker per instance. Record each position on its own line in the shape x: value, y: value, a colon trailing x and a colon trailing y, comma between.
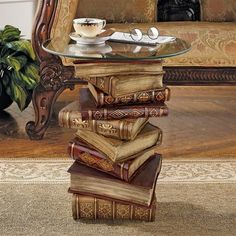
x: 84, y: 154
x: 125, y: 129
x: 93, y: 208
x: 118, y: 150
x: 89, y: 110
x: 141, y: 97
x: 140, y: 190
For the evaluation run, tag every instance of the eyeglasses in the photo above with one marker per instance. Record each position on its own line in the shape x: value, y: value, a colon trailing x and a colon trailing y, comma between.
x: 136, y: 34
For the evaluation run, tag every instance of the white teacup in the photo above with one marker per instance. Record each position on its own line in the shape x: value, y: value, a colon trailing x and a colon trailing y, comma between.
x: 88, y: 27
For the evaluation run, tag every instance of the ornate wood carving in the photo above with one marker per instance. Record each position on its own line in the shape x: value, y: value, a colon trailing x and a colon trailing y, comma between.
x: 54, y: 77
x: 199, y: 75
x: 178, y: 10
x: 42, y: 27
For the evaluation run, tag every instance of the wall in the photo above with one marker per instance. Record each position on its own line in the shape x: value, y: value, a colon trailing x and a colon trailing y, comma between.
x: 19, y: 13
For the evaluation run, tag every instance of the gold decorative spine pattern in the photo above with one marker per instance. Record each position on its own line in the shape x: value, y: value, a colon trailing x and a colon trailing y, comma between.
x: 85, y: 207
x: 136, y: 98
x: 121, y: 129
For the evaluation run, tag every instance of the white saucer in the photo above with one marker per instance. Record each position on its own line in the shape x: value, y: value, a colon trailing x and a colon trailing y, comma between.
x: 89, y: 50
x: 88, y: 41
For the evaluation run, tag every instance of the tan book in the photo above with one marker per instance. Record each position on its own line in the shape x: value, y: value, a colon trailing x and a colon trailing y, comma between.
x: 126, y: 129
x: 112, y: 68
x: 93, y: 208
x: 120, y: 85
x: 140, y: 190
x: 141, y: 97
x: 118, y: 150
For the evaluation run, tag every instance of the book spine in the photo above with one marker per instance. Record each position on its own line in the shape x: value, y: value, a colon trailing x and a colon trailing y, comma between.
x: 125, y: 113
x: 152, y: 96
x: 97, y: 161
x: 121, y: 129
x: 85, y: 207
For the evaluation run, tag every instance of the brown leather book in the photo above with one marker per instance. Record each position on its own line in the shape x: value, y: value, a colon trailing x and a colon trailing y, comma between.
x: 82, y: 153
x: 89, y: 110
x: 93, y: 208
x: 118, y: 150
x: 125, y: 129
x: 141, y: 189
x: 142, y: 97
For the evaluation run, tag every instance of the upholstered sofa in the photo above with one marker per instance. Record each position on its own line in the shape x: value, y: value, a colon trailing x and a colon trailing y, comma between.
x: 211, y: 60
x: 213, y: 38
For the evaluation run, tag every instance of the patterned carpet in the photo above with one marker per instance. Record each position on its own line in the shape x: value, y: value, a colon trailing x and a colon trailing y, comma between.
x: 194, y: 198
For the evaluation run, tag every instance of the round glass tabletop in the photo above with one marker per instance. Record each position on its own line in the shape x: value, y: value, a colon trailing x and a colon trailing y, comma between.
x: 114, y: 50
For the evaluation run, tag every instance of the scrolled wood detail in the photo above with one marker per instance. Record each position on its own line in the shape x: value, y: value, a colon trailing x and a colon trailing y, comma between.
x: 199, y: 75
x: 54, y: 74
x: 42, y: 27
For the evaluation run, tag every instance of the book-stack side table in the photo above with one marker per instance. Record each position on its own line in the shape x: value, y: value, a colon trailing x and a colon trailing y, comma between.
x: 115, y: 148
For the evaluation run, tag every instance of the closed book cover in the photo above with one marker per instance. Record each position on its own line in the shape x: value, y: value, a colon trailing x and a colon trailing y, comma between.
x: 125, y: 129
x: 118, y: 79
x: 120, y: 85
x: 91, y: 182
x: 93, y: 208
x: 141, y: 97
x: 82, y: 153
x: 119, y: 150
x: 89, y: 110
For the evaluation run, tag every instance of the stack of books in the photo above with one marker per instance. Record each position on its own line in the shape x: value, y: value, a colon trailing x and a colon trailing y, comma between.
x: 116, y: 165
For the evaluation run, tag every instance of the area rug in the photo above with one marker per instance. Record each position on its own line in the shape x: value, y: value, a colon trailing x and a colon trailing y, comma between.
x: 194, y: 198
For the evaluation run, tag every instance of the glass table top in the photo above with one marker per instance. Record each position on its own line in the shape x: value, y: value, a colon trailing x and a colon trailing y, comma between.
x: 115, y: 51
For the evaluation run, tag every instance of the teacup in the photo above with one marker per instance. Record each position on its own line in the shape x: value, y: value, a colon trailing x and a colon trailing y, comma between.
x: 88, y: 27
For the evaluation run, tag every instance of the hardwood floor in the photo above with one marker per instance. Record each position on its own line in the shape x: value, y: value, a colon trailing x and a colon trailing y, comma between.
x: 201, y: 125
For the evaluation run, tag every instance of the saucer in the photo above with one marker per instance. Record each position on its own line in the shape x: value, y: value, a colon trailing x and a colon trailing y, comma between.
x: 98, y: 50
x: 89, y: 41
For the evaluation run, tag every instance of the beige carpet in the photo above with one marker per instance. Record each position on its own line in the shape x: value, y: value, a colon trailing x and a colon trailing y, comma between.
x: 194, y: 198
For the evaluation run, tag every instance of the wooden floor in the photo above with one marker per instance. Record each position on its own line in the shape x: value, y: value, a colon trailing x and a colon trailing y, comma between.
x: 201, y: 125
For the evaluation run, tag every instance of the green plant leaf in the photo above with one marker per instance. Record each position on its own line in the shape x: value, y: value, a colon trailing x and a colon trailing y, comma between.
x: 32, y: 71
x: 24, y: 80
x: 10, y: 33
x: 22, y: 46
x: 16, y: 62
x: 19, y: 95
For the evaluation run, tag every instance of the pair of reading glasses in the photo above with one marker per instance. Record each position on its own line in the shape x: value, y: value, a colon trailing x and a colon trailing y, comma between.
x: 137, y: 35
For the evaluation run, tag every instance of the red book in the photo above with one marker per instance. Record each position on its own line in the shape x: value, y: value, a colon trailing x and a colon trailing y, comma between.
x: 141, y: 190
x: 82, y: 153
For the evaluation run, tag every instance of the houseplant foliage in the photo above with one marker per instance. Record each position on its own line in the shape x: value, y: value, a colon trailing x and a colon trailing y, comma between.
x: 19, y: 72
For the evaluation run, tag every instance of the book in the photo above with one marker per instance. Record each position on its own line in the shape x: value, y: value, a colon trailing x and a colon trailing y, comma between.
x: 141, y: 189
x: 102, y: 68
x: 125, y: 129
x: 82, y: 153
x: 149, y: 96
x: 119, y: 150
x: 120, y: 85
x: 89, y: 110
x: 93, y: 208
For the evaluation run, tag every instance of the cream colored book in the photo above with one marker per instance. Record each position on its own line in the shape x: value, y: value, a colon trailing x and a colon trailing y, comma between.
x: 121, y: 85
x: 118, y: 150
x: 125, y: 129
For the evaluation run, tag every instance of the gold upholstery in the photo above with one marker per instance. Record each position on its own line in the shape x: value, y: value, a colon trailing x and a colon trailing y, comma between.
x: 218, y: 10
x: 62, y: 24
x: 118, y: 11
x: 213, y: 44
